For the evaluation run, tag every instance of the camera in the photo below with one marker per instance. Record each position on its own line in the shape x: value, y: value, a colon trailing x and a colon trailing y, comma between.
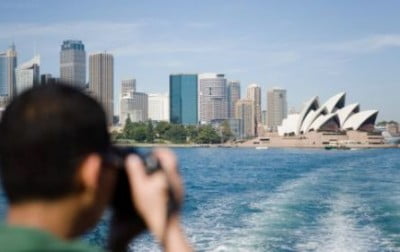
x: 121, y: 202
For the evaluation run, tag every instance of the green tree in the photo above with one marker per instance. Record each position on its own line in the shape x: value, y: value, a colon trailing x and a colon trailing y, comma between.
x: 382, y: 123
x: 161, y: 128
x: 127, y: 132
x: 226, y: 131
x: 150, y: 132
x: 115, y: 135
x: 176, y: 133
x: 192, y: 132
x: 139, y: 132
x: 207, y: 134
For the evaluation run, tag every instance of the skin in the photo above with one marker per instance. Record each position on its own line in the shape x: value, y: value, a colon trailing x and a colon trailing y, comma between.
x: 74, y: 214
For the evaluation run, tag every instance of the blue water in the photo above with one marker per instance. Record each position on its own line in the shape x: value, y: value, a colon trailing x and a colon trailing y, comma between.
x: 287, y: 200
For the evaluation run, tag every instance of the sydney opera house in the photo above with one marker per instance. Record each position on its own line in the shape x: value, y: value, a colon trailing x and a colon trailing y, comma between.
x: 333, y: 122
x: 332, y: 116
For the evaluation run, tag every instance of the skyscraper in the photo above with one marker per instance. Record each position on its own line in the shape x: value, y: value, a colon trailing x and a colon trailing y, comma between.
x: 128, y: 86
x: 254, y: 94
x: 47, y: 79
x: 134, y: 105
x: 73, y: 63
x: 183, y: 99
x: 233, y: 97
x: 245, y: 112
x: 213, y: 97
x: 159, y: 107
x: 264, y: 117
x: 8, y: 64
x: 27, y: 74
x: 101, y: 81
x: 276, y: 108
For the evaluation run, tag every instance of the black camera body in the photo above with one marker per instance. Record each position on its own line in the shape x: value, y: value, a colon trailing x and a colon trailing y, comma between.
x: 121, y: 202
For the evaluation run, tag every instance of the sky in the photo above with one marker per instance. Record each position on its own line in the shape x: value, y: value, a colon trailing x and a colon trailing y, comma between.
x: 309, y: 47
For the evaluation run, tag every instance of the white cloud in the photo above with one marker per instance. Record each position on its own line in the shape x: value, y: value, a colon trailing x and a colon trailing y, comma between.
x: 163, y: 48
x: 120, y: 38
x: 83, y: 28
x: 365, y: 45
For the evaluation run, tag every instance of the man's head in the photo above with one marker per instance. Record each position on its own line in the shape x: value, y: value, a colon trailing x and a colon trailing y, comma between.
x: 51, y: 141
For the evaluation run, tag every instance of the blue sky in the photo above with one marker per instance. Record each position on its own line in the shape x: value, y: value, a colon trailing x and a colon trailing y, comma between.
x: 310, y: 47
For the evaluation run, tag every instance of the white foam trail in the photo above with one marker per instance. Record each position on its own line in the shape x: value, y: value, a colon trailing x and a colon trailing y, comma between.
x: 340, y: 230
x: 266, y: 230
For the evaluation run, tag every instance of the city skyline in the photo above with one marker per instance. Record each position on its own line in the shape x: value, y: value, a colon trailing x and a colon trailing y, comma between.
x: 308, y: 48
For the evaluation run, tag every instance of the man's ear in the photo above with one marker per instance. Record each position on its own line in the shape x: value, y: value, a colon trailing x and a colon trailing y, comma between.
x: 89, y: 172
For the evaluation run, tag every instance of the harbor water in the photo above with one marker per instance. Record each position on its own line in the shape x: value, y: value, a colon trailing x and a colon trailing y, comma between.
x: 285, y: 200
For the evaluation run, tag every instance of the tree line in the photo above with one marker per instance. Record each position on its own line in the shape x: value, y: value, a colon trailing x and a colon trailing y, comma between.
x: 165, y: 132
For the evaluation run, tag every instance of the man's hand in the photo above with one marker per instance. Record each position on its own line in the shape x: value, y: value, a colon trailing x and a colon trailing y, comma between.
x: 150, y: 197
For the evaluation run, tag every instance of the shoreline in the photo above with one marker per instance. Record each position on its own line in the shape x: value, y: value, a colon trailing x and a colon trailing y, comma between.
x: 272, y: 146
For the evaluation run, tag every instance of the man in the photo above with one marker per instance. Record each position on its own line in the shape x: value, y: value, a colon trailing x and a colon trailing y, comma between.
x: 52, y: 168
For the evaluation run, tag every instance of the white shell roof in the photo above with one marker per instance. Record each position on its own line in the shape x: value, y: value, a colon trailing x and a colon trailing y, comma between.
x: 328, y: 107
x: 308, y: 121
x: 313, y: 116
x: 332, y: 102
x: 289, y: 125
x: 357, y: 120
x: 346, y: 112
x: 317, y: 124
x: 313, y: 102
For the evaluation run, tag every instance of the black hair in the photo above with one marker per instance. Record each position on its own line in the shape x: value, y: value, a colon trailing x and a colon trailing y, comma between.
x: 45, y: 134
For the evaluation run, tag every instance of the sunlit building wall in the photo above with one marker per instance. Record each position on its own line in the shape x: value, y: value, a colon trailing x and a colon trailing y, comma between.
x: 276, y: 107
x: 73, y: 63
x: 245, y: 112
x: 101, y: 81
x: 27, y: 74
x: 213, y: 97
x: 134, y: 106
x: 159, y: 107
x: 233, y: 97
x: 128, y: 86
x: 254, y: 94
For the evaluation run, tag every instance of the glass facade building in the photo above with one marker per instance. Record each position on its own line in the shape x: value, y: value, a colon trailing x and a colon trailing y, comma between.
x: 8, y: 63
x: 3, y: 76
x: 73, y: 63
x: 183, y: 98
x: 27, y: 75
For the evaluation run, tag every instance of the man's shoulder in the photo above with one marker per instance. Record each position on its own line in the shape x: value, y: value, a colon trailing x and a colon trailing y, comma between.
x: 13, y: 238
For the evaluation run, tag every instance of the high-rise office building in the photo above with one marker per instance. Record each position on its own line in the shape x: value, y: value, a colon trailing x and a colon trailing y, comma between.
x: 235, y: 125
x: 8, y: 64
x: 73, y: 63
x: 254, y: 94
x: 264, y: 117
x: 48, y: 79
x: 134, y: 105
x: 245, y: 111
x: 159, y: 107
x: 183, y: 100
x: 213, y: 97
x: 276, y: 108
x: 128, y: 86
x: 233, y: 97
x: 101, y: 81
x: 27, y: 74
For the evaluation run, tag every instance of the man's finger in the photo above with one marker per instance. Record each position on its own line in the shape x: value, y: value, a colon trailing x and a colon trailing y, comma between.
x: 135, y: 169
x: 170, y: 165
